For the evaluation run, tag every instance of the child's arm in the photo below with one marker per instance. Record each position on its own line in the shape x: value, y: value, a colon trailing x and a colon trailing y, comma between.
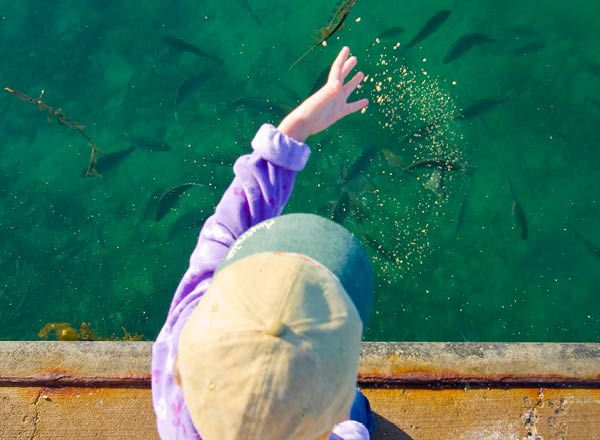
x: 264, y: 179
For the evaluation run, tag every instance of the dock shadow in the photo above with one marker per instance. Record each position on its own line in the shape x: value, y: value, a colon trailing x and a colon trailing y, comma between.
x: 386, y: 430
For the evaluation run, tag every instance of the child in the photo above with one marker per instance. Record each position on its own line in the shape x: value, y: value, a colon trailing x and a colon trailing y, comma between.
x: 269, y: 348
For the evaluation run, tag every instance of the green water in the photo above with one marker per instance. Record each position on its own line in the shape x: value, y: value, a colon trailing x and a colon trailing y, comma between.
x: 79, y: 249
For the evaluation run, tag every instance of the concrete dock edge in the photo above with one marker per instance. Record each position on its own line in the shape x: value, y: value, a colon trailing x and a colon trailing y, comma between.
x: 419, y: 390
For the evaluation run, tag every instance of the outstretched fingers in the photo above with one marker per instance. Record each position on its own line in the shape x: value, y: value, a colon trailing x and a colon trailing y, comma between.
x: 335, y: 74
x: 348, y: 66
x: 351, y: 85
x: 355, y: 106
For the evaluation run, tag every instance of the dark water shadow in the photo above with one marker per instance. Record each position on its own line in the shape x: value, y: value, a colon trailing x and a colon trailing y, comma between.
x: 388, y: 431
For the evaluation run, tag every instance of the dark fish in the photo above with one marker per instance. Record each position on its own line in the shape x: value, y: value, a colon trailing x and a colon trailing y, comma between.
x: 187, y: 222
x: 108, y: 162
x: 518, y: 213
x: 596, y: 102
x: 148, y: 143
x: 364, y: 159
x: 188, y: 88
x: 392, y: 32
x: 438, y: 164
x: 479, y: 107
x: 419, y: 134
x: 430, y: 27
x: 183, y: 46
x: 466, y: 43
x: 152, y: 204
x: 341, y: 208
x: 291, y: 95
x: 321, y: 80
x: 260, y: 104
x: 348, y: 204
x: 590, y: 247
x: 335, y: 24
x: 357, y: 208
x: 529, y: 48
x: 169, y: 199
x: 244, y: 4
x: 375, y: 244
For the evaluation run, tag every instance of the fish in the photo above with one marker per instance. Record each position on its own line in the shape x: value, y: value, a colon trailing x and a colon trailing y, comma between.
x: 107, y: 162
x: 435, y: 183
x: 189, y: 221
x: 148, y: 143
x: 430, y: 27
x: 596, y: 102
x: 321, y: 80
x: 357, y: 208
x: 419, y: 134
x: 529, y: 48
x: 341, y: 208
x: 152, y: 204
x: 393, y: 160
x: 364, y: 159
x: 170, y: 198
x: 335, y: 24
x: 260, y: 104
x: 188, y: 88
x: 479, y: 107
x: 183, y: 46
x: 590, y: 247
x: 291, y: 95
x: 391, y: 32
x: 348, y: 203
x: 466, y: 43
x: 436, y: 163
x: 375, y: 244
x: 244, y: 4
x: 518, y: 212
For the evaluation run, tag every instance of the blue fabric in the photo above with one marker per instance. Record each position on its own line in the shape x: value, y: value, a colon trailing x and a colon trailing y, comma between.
x: 361, y: 412
x: 319, y: 238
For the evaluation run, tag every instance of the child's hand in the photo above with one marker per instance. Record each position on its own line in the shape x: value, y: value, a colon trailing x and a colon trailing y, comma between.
x: 328, y: 104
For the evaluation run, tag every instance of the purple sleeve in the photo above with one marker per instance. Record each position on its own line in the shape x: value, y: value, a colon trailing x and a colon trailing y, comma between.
x: 262, y: 186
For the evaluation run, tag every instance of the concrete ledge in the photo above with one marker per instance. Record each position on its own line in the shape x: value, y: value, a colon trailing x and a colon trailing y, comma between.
x: 76, y: 390
x: 481, y: 364
x: 383, y: 364
x: 100, y: 364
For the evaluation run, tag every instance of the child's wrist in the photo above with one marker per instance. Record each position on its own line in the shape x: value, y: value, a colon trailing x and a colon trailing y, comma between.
x: 295, y: 127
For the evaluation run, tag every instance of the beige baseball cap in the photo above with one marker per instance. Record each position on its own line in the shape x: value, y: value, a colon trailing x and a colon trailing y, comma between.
x: 271, y: 351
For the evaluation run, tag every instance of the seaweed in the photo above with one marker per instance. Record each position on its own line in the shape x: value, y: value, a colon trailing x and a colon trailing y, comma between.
x: 62, y: 120
x: 335, y: 24
x: 65, y: 332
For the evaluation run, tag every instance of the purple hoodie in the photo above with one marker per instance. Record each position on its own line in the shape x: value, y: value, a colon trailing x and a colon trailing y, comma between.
x: 262, y: 186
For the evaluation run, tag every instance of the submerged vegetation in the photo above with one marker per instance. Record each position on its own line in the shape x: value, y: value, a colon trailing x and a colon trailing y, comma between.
x: 335, y: 24
x: 63, y: 120
x: 63, y: 331
x: 178, y: 97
